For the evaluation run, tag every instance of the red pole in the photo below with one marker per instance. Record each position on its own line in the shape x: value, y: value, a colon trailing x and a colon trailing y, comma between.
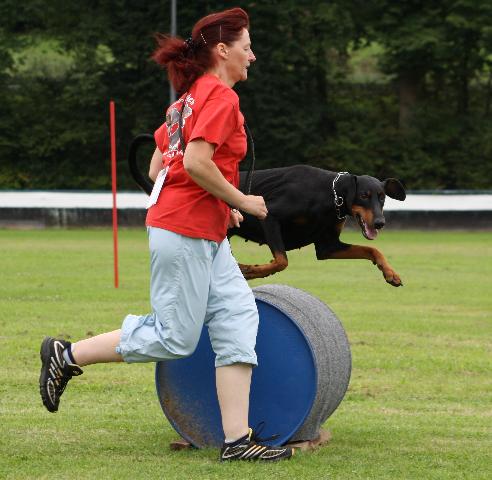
x: 113, y: 183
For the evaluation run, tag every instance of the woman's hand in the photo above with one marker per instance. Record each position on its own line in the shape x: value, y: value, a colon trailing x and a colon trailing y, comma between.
x: 255, y: 205
x: 235, y: 218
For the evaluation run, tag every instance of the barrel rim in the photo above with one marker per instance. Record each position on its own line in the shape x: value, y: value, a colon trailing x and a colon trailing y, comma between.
x: 313, y: 361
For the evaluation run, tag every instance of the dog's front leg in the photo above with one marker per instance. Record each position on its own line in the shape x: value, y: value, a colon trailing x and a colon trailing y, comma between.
x: 368, y: 253
x: 273, y: 237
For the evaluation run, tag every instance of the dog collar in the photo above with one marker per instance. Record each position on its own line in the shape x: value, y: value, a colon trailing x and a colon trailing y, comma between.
x: 338, y: 198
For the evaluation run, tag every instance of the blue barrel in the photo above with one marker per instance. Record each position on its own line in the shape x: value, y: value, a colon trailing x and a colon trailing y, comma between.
x: 302, y: 376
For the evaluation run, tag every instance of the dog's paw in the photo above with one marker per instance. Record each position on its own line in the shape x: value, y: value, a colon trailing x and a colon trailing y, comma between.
x: 390, y: 275
x: 393, y: 278
x: 245, y: 268
x: 251, y: 275
x: 250, y: 272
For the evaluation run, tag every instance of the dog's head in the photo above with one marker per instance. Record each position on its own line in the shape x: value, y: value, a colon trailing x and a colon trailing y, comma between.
x: 364, y: 198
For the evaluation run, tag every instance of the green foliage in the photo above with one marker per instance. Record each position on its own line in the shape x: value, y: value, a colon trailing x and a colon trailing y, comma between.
x: 381, y: 87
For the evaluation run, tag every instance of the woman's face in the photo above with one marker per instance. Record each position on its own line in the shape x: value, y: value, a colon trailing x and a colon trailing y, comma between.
x: 239, y: 58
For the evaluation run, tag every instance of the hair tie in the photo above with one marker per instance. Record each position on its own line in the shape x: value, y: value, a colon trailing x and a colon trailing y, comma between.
x: 190, y: 44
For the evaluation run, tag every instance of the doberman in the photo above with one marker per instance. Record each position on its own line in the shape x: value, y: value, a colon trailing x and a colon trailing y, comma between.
x: 308, y: 205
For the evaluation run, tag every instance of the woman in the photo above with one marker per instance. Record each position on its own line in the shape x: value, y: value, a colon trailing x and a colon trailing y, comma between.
x: 194, y: 278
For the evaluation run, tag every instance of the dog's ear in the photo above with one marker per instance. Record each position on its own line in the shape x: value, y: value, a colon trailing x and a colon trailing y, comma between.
x: 394, y: 189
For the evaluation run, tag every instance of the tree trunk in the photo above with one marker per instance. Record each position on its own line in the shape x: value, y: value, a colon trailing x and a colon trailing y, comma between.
x: 488, y: 96
x: 463, y: 99
x: 464, y: 76
x: 408, y: 83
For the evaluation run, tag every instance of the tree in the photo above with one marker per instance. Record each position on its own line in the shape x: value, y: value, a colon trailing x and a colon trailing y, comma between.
x: 428, y: 44
x: 300, y: 101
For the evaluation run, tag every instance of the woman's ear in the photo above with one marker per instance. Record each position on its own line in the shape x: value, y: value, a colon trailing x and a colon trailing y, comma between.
x: 394, y: 189
x: 222, y: 50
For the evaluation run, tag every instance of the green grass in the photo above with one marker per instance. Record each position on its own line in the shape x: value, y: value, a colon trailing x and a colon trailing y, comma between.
x: 419, y: 401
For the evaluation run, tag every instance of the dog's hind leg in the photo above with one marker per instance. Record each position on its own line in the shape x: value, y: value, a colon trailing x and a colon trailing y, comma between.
x: 278, y: 264
x: 273, y: 237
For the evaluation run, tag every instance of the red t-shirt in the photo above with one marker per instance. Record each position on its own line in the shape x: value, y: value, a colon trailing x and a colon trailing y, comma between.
x: 211, y: 113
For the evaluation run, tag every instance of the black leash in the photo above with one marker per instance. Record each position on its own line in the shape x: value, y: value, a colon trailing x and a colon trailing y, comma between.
x: 180, y: 126
x: 251, y: 169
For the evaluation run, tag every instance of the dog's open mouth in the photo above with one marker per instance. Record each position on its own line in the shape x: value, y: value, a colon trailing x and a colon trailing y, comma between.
x: 369, y: 233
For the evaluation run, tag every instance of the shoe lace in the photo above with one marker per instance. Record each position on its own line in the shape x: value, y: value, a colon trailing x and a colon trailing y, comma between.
x: 255, y: 435
x: 63, y: 382
x: 67, y: 373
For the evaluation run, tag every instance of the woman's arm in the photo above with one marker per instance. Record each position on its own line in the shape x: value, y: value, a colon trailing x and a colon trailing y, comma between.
x: 155, y: 164
x: 202, y: 169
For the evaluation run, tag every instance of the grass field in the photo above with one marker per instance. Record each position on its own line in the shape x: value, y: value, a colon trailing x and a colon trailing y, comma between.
x: 419, y: 404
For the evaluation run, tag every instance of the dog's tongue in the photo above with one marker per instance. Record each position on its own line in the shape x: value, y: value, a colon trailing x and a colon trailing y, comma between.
x: 371, y: 233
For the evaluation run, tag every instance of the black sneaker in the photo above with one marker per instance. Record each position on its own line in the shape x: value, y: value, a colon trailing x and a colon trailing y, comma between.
x: 250, y: 447
x: 55, y: 372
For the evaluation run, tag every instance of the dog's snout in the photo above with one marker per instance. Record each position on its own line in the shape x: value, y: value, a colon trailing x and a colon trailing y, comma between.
x: 379, y: 223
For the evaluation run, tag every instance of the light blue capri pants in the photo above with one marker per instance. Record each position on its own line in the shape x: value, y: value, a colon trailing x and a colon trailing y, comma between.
x: 193, y: 282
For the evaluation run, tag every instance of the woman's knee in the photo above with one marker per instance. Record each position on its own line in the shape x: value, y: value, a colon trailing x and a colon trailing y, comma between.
x: 182, y: 347
x: 179, y: 335
x: 233, y: 337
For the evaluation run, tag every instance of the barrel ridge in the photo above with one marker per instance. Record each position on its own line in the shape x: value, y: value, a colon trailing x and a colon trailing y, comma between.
x: 329, y: 344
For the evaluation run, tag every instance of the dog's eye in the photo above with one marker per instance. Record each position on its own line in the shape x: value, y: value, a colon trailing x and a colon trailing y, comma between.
x: 364, y: 196
x: 382, y: 196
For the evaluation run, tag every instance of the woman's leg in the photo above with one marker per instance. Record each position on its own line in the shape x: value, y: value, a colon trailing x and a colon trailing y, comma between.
x: 232, y: 321
x: 61, y: 360
x: 98, y: 349
x: 180, y: 271
x: 233, y: 384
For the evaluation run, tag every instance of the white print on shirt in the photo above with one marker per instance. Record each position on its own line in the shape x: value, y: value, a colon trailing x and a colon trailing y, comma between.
x: 159, y: 183
x: 172, y: 123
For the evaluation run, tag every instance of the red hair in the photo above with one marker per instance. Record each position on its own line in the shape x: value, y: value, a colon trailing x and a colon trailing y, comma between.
x: 186, y: 61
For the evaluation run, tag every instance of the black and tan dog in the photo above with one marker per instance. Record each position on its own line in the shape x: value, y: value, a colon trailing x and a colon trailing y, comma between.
x: 308, y: 205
